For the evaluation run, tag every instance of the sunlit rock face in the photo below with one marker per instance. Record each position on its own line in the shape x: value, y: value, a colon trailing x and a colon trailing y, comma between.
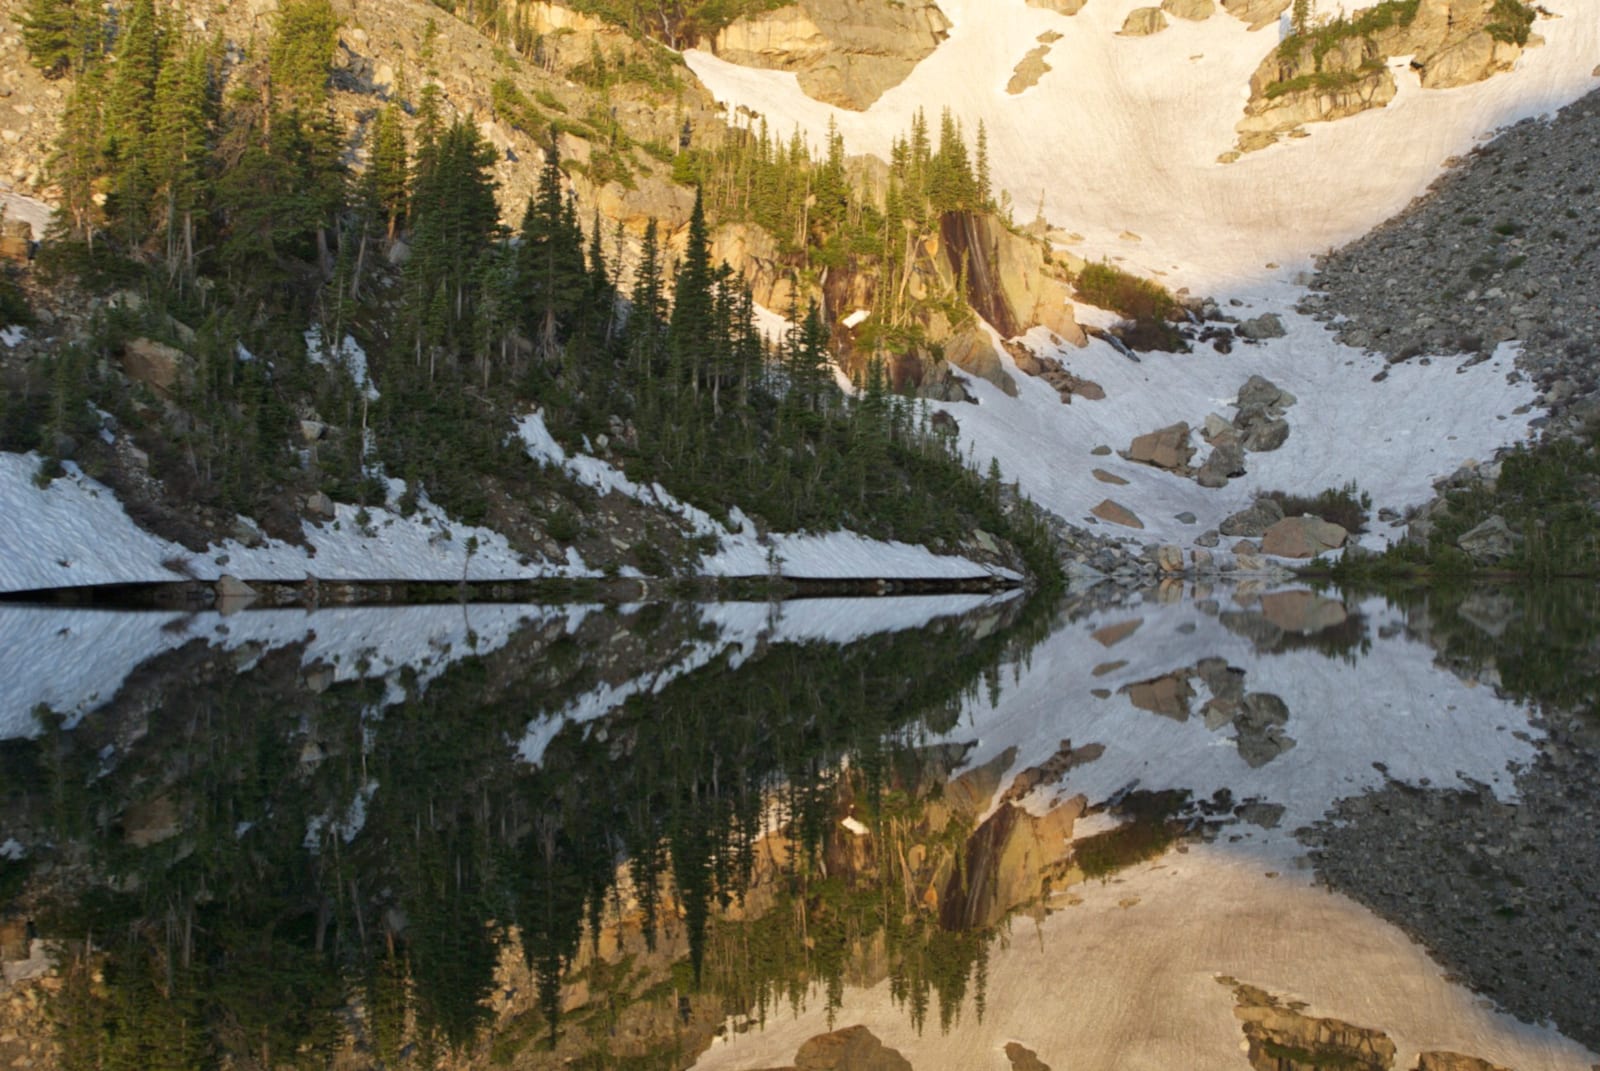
x: 845, y: 52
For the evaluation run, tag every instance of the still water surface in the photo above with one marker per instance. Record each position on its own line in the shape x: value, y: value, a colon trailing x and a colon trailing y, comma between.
x: 1192, y: 829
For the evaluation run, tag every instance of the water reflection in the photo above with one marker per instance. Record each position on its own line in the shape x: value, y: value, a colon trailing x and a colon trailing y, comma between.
x: 597, y: 837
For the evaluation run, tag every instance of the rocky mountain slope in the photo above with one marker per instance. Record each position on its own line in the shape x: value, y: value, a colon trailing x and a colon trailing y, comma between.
x: 1506, y: 246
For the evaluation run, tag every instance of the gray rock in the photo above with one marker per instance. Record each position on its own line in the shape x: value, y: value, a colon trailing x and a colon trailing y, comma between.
x: 1262, y: 514
x: 1226, y: 461
x: 319, y: 507
x: 1489, y: 543
x: 1258, y: 390
x: 1267, y: 435
x: 1266, y: 326
x: 246, y: 534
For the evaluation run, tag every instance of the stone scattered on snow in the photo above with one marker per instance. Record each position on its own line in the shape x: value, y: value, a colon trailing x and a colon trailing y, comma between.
x: 1115, y: 513
x: 1269, y: 325
x: 1302, y: 537
x: 1166, y: 448
x: 1262, y: 514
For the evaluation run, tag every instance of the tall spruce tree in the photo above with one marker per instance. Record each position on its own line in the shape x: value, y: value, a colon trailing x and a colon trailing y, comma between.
x: 180, y: 147
x: 385, y: 185
x: 692, y: 320
x: 554, y: 279
x: 61, y: 36
x: 129, y: 114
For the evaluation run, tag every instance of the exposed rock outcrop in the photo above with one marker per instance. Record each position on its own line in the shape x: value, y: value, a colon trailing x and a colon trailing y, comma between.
x: 844, y: 52
x: 1143, y: 21
x: 971, y: 351
x: 1340, y: 69
x: 1191, y: 10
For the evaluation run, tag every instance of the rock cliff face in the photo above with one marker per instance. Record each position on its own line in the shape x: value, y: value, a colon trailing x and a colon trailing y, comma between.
x: 1341, y: 68
x: 845, y: 52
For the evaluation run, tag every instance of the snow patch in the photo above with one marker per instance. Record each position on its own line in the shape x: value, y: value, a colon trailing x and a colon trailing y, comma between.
x: 347, y: 355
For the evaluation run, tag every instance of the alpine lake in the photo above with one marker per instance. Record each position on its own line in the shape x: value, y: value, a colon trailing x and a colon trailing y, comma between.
x: 1193, y: 827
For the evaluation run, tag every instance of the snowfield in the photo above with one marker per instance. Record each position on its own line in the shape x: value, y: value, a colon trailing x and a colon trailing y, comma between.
x: 1392, y: 438
x: 1120, y: 139
x: 1122, y: 136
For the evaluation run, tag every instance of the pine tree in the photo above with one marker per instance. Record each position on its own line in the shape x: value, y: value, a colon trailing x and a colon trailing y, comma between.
x: 129, y: 114
x: 429, y: 129
x: 1300, y: 17
x: 554, y: 279
x: 692, y: 320
x: 646, y: 329
x: 456, y: 220
x: 385, y: 184
x: 61, y: 36
x: 79, y: 159
x: 301, y: 55
x: 183, y: 116
x: 985, y: 188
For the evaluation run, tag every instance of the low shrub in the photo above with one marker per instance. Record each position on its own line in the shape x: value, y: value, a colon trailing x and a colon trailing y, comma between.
x: 1347, y: 506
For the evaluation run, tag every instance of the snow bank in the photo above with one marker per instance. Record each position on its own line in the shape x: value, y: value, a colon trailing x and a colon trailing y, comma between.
x: 824, y: 556
x: 75, y: 533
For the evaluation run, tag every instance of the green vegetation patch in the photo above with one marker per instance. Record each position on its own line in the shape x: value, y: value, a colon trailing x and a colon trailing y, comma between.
x: 1346, y: 506
x: 1511, y: 22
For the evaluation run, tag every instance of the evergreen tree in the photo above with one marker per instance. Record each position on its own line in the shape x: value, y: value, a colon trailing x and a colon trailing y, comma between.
x: 456, y: 221
x: 180, y: 147
x: 1300, y: 17
x: 985, y: 186
x: 129, y: 114
x: 385, y: 184
x: 692, y: 319
x: 61, y: 36
x: 554, y: 279
x: 301, y: 55
x: 79, y: 159
x: 646, y: 330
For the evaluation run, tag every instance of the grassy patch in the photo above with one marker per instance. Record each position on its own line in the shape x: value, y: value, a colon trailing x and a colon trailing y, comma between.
x: 1147, y: 303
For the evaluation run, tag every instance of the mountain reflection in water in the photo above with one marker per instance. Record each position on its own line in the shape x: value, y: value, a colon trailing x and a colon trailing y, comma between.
x: 614, y: 836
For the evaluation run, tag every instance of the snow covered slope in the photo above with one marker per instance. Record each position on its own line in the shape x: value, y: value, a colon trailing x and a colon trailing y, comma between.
x: 1123, y: 134
x: 1393, y: 437
x: 74, y: 533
